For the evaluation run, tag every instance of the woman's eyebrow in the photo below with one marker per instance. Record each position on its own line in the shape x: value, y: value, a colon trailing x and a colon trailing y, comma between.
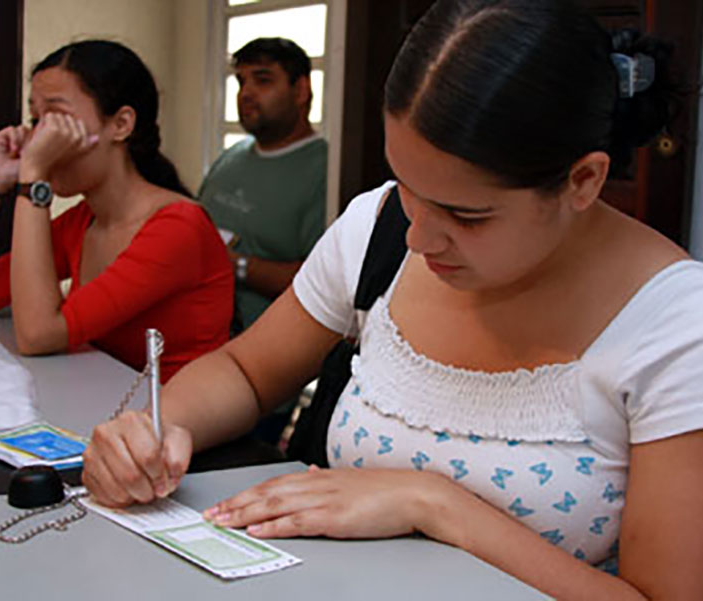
x: 466, y: 210
x: 452, y: 208
x: 57, y: 100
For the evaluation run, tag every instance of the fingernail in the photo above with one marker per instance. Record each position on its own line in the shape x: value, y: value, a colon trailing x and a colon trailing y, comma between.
x: 161, y: 490
x: 222, y: 518
x: 93, y: 138
x: 255, y: 529
x: 211, y: 513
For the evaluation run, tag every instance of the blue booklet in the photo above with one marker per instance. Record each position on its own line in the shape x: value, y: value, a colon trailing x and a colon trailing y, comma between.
x: 41, y: 443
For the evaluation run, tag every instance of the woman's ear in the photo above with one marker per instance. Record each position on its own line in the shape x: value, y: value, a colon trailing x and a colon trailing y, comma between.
x: 586, y: 179
x: 123, y: 122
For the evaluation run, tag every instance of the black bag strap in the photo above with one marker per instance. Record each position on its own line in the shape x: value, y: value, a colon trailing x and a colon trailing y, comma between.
x: 384, y: 254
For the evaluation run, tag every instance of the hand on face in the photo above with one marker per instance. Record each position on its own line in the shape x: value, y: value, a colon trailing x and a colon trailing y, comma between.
x: 12, y: 140
x: 57, y: 138
x: 339, y: 503
x: 124, y: 462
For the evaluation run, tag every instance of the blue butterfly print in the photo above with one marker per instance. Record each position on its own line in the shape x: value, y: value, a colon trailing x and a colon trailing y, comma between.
x: 611, y: 494
x: 609, y: 566
x: 566, y: 505
x: 553, y: 536
x: 359, y: 462
x: 474, y: 438
x: 584, y: 465
x: 500, y: 476
x: 518, y: 509
x: 420, y: 460
x: 459, y: 466
x: 337, y: 451
x: 344, y: 420
x: 542, y: 471
x: 578, y: 554
x: 359, y: 434
x: 597, y: 527
x: 356, y: 391
x: 442, y: 436
x: 386, y: 444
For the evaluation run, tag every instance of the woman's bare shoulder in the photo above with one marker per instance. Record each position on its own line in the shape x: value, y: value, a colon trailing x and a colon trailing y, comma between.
x: 644, y: 250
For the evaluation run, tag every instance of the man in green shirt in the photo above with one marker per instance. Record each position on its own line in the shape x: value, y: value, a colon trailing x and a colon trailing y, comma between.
x: 269, y: 190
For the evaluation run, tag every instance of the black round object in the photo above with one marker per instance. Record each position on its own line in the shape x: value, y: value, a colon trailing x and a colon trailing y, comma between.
x: 35, y: 486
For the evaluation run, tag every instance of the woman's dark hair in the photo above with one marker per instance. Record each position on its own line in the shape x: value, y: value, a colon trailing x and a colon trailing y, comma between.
x: 524, y: 88
x: 115, y: 77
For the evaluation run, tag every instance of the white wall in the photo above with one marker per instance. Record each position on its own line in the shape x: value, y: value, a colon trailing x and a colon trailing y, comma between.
x: 191, y: 88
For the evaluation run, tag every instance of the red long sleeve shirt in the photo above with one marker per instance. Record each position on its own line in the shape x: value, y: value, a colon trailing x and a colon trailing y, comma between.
x: 174, y: 276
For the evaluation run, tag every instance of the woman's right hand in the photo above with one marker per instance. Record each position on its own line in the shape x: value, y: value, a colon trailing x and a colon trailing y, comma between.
x: 57, y: 138
x: 12, y: 140
x: 125, y: 463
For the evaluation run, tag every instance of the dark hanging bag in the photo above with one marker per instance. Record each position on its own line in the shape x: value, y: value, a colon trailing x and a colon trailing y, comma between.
x: 383, y: 257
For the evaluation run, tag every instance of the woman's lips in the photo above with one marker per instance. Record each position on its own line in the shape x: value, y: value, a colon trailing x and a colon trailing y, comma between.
x: 441, y: 267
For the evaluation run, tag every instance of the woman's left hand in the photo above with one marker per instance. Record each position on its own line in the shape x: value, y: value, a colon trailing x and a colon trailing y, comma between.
x: 339, y: 503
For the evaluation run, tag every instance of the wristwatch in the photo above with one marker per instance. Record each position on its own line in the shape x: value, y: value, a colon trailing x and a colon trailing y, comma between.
x: 39, y: 193
x: 242, y: 268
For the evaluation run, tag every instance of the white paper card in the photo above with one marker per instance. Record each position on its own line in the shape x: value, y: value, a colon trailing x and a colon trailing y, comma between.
x: 225, y: 552
x: 17, y: 395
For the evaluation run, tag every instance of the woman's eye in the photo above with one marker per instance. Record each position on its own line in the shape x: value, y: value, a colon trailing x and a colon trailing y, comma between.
x: 470, y: 222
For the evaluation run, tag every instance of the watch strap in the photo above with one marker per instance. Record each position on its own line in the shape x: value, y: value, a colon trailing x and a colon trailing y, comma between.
x: 242, y: 269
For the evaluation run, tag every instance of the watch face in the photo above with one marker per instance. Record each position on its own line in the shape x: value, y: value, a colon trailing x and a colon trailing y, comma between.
x: 40, y: 194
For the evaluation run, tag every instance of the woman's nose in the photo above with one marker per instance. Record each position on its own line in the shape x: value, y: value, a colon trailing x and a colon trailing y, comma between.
x: 425, y: 234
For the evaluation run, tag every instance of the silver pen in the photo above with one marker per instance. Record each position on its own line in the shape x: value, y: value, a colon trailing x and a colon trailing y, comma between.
x: 154, y: 347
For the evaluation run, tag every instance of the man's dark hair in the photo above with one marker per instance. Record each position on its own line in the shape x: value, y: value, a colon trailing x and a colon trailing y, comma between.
x: 286, y: 53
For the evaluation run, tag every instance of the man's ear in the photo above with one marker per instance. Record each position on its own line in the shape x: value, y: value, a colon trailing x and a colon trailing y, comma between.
x: 123, y: 122
x: 586, y: 179
x: 303, y: 90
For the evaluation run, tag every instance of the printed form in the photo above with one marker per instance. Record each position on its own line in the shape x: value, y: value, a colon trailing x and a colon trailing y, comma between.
x: 225, y: 552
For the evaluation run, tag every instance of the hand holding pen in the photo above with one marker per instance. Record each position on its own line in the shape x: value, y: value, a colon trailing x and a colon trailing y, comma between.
x: 136, y: 457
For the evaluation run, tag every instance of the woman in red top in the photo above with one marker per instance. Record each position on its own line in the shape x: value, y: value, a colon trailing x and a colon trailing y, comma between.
x: 139, y: 253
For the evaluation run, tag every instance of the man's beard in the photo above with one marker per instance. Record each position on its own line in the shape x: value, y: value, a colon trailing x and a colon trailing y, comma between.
x: 267, y: 130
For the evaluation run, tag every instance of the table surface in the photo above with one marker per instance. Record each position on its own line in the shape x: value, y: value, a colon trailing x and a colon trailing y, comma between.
x: 76, y: 390
x: 97, y: 559
x: 81, y: 389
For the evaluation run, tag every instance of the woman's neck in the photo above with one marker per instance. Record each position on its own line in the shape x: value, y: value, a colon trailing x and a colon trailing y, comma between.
x: 123, y: 198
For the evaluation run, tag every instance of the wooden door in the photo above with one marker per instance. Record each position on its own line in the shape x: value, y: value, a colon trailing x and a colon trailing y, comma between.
x: 11, y: 22
x: 659, y: 190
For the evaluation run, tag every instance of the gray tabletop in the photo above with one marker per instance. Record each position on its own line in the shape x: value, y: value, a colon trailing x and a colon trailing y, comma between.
x: 76, y: 390
x: 82, y: 388
x: 96, y: 559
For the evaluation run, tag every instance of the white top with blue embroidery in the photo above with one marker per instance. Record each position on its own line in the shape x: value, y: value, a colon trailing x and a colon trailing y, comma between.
x: 548, y: 446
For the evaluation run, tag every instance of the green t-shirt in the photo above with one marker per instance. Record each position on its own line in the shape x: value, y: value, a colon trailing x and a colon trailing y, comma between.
x: 274, y: 202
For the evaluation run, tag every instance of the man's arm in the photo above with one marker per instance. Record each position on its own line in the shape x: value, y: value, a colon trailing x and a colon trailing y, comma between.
x: 268, y: 278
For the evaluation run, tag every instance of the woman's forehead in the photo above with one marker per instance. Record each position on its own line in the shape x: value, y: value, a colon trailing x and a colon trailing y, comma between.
x: 430, y: 172
x: 56, y: 86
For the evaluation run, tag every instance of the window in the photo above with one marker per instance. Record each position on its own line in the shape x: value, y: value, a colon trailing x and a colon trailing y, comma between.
x: 304, y: 22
